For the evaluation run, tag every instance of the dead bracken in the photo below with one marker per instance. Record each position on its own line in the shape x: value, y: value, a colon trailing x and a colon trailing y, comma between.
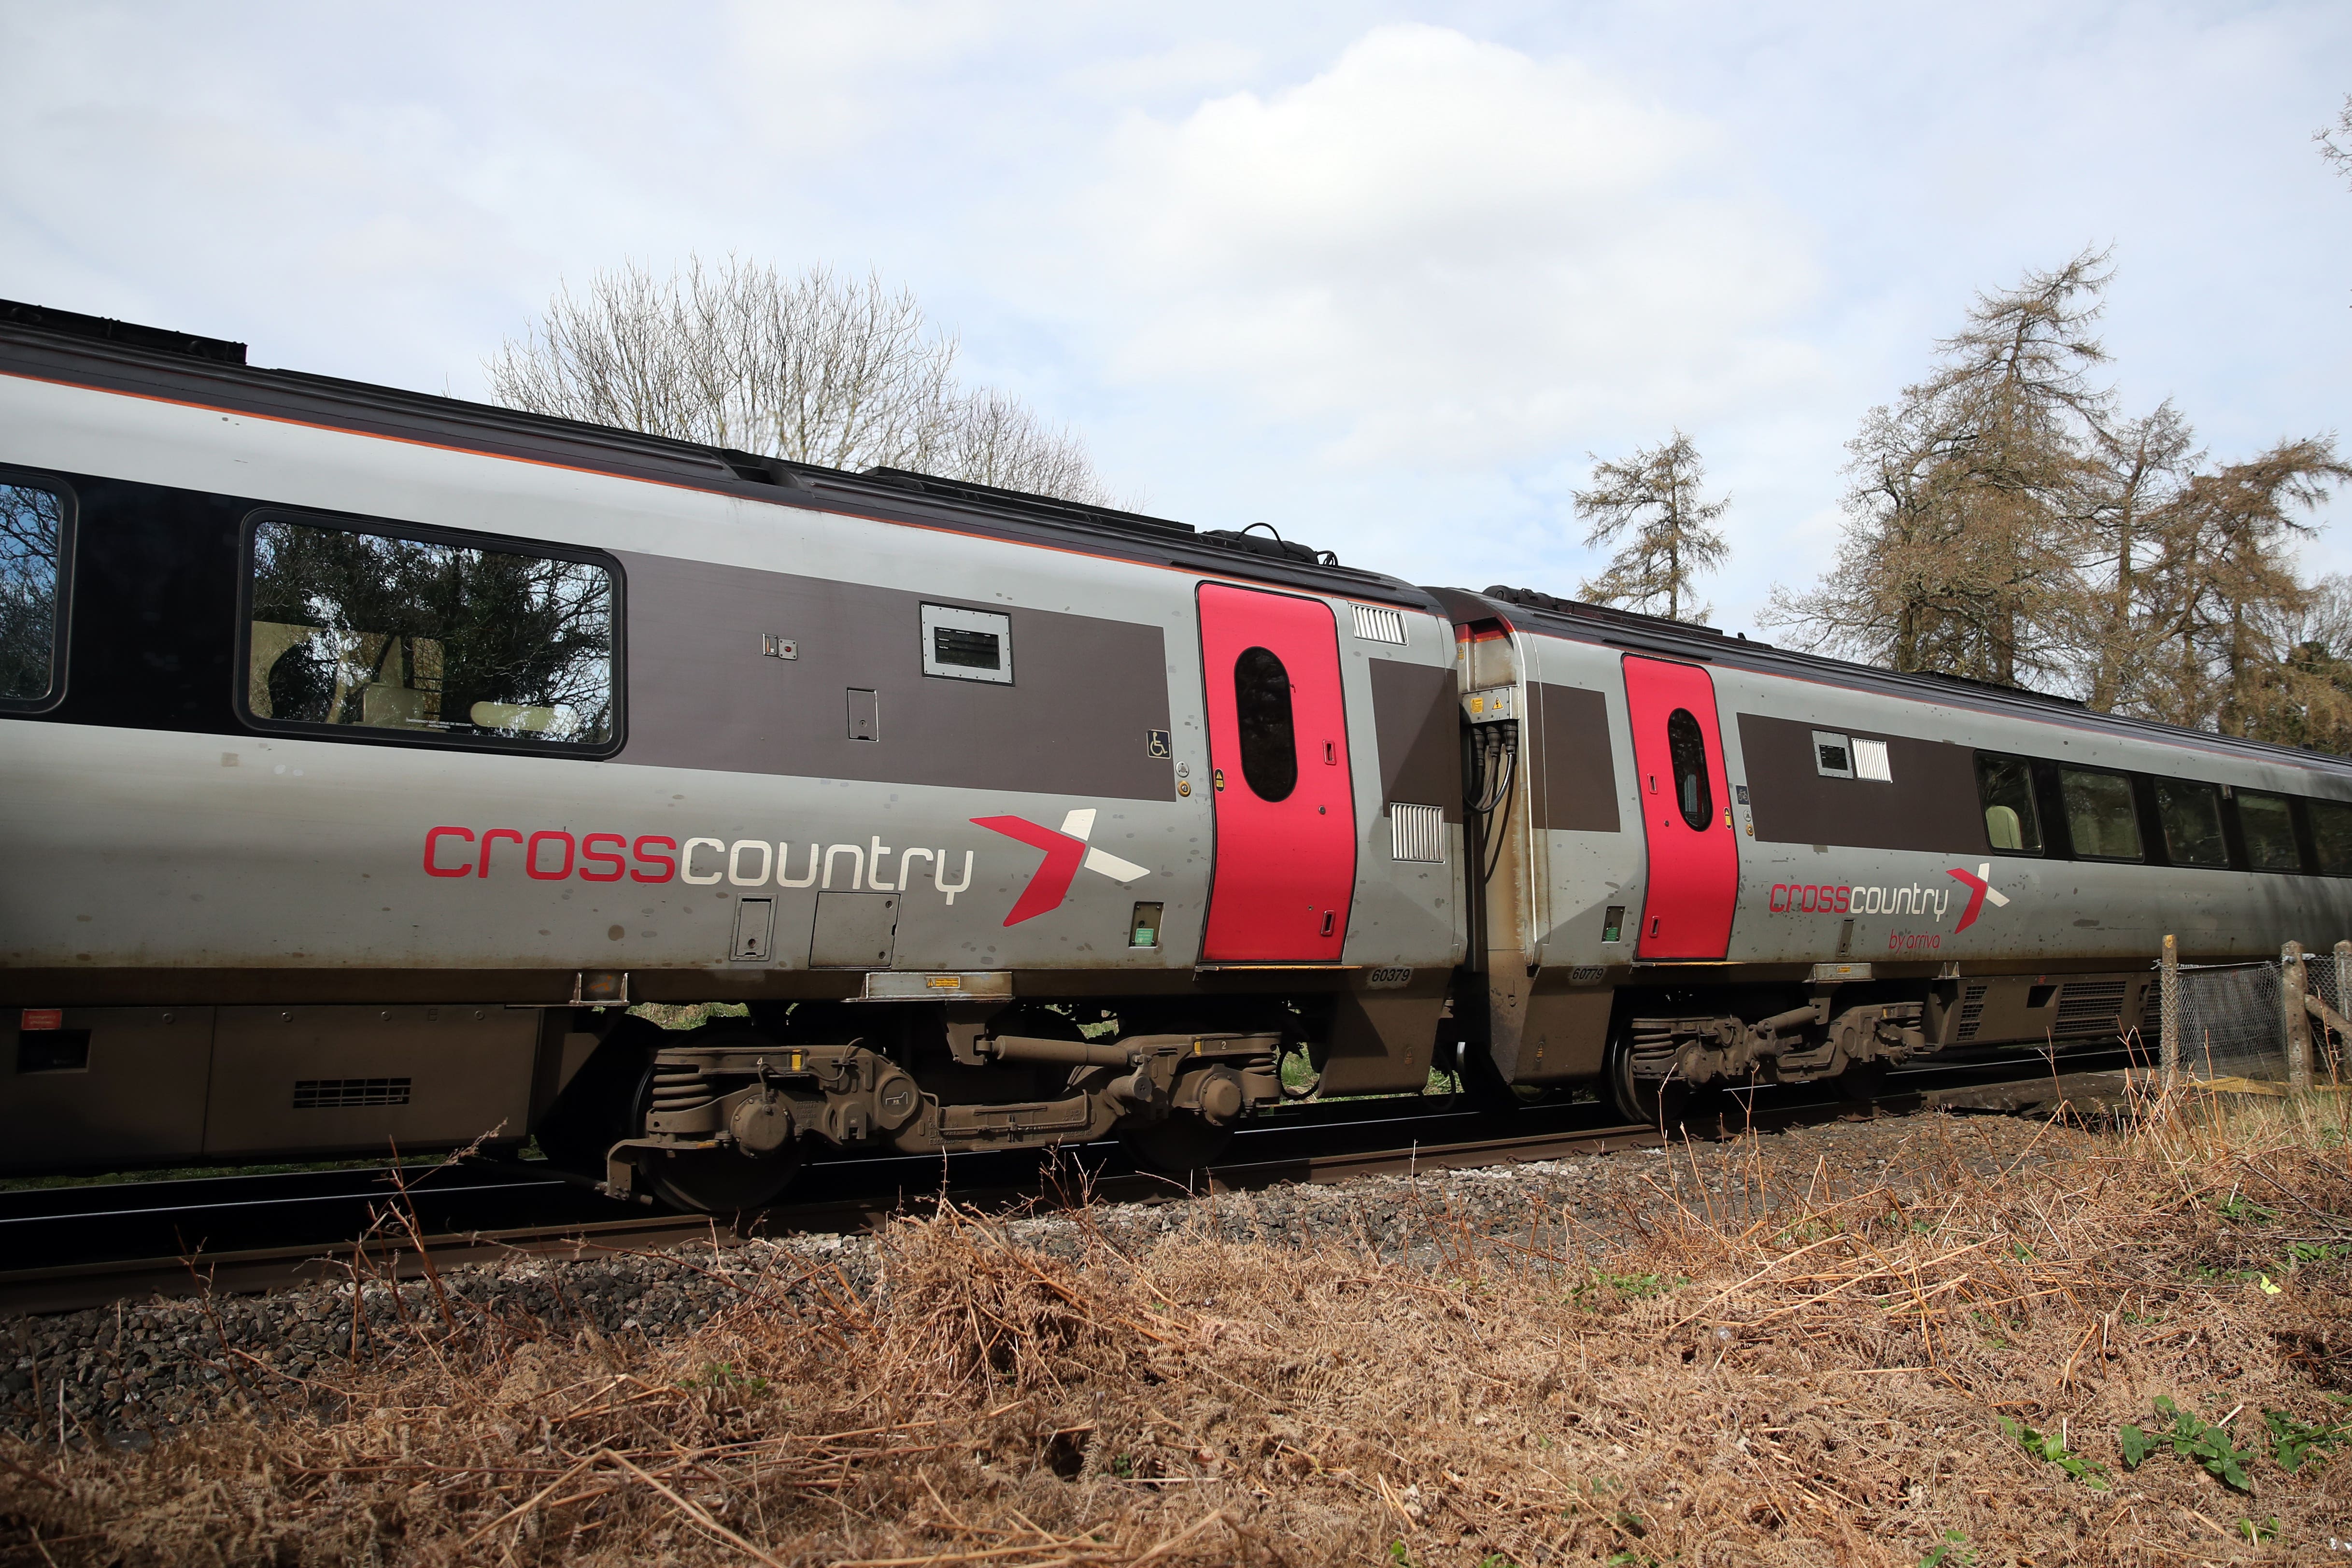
x: 1758, y: 1351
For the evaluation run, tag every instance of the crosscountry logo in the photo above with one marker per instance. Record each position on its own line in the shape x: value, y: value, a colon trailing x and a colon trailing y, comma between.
x: 1064, y: 852
x: 1980, y: 888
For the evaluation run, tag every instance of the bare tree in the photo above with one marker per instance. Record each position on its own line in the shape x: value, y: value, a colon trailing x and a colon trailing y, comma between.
x: 1656, y: 495
x: 1968, y: 503
x: 2336, y: 141
x: 813, y: 368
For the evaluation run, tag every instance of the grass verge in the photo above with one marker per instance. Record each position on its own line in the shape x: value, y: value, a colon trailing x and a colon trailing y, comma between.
x: 2134, y: 1355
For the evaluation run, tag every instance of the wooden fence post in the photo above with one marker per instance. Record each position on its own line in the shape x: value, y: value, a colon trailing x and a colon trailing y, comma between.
x: 2292, y: 990
x: 2343, y: 1006
x: 2168, y: 1000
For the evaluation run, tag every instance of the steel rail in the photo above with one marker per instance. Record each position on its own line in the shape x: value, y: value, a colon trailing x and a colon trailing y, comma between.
x: 1089, y: 1173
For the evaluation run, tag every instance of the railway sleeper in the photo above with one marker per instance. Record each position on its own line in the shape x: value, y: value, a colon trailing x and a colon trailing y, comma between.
x: 1793, y: 1047
x: 762, y: 1101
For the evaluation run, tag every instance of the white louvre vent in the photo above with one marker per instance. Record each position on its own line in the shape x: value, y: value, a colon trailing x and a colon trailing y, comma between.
x: 1374, y: 624
x: 1417, y: 833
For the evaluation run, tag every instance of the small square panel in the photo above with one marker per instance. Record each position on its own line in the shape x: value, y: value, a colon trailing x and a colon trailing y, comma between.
x: 967, y: 644
x: 1870, y: 761
x: 1832, y: 755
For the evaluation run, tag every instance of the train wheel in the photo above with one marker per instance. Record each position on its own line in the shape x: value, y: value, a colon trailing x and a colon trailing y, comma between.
x: 1182, y: 1141
x: 1640, y: 1100
x: 718, y: 1181
x: 1863, y: 1082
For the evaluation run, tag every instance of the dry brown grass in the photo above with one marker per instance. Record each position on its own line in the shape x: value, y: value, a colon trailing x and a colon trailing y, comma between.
x: 1814, y: 1379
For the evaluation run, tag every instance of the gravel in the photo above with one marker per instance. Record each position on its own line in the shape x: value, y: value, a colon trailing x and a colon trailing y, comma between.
x: 130, y: 1372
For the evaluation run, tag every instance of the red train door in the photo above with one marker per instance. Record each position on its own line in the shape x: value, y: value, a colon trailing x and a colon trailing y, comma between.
x: 1694, y: 862
x: 1279, y: 779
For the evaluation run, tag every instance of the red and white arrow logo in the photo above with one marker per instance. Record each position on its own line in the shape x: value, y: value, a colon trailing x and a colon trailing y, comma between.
x: 1064, y: 852
x: 1980, y: 890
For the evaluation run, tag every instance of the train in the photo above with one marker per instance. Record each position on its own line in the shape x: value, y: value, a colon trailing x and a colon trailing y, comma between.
x: 367, y: 755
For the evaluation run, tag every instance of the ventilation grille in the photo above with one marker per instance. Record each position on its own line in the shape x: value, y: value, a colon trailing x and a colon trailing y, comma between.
x: 1971, y: 1012
x: 338, y: 1094
x: 2090, y: 1007
x: 1374, y: 624
x: 1417, y: 833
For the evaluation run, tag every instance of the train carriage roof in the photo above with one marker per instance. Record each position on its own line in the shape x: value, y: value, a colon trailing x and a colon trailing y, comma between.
x: 45, y: 344
x: 1527, y: 610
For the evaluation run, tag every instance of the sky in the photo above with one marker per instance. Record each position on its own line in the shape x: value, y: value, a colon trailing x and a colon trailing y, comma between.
x: 1383, y: 276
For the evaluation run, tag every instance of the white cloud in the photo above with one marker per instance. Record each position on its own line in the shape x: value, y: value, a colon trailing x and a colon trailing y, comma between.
x: 1447, y: 246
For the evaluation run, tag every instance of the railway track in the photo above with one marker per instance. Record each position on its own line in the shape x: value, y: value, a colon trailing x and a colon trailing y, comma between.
x: 71, y: 1248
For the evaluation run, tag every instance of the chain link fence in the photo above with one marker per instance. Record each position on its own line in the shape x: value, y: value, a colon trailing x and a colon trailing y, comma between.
x: 2232, y: 1021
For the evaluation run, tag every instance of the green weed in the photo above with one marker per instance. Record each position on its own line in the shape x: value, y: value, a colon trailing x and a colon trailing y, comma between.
x: 2053, y: 1451
x: 2293, y: 1442
x: 1952, y: 1552
x: 2190, y: 1438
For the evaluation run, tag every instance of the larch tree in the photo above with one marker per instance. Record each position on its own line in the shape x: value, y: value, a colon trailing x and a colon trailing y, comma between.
x: 2229, y: 613
x: 814, y: 369
x: 1967, y: 508
x: 1654, y: 496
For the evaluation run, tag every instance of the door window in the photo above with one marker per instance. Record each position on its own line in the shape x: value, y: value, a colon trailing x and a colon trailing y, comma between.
x: 2192, y: 814
x: 1269, y: 742
x: 1686, y: 750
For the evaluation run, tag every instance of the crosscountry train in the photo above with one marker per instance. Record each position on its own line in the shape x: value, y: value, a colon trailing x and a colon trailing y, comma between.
x: 363, y: 752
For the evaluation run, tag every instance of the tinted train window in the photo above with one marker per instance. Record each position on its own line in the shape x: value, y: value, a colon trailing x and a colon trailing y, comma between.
x: 1262, y: 704
x: 32, y: 569
x: 2192, y: 814
x: 2099, y: 814
x: 2269, y: 824
x: 2005, y: 785
x: 365, y: 631
x: 1686, y: 750
x: 2331, y: 835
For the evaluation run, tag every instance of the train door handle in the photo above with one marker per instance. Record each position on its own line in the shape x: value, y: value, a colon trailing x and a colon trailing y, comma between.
x: 1330, y: 916
x: 1331, y: 759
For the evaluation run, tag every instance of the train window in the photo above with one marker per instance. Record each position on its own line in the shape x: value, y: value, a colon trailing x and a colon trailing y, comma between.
x: 32, y: 578
x: 2269, y: 824
x: 2331, y: 835
x: 370, y: 631
x: 2100, y: 814
x: 2005, y: 785
x: 1686, y: 750
x: 2192, y: 815
x: 967, y: 644
x: 1262, y: 706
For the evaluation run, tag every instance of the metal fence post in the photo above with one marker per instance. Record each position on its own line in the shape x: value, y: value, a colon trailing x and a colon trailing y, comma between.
x: 2298, y: 1017
x: 2169, y: 999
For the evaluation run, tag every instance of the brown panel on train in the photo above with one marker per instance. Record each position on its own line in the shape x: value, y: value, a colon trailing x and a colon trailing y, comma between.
x: 113, y: 1083
x: 1076, y: 719
x: 1419, y: 726
x: 1928, y: 803
x: 1548, y: 1028
x: 1577, y: 789
x: 1381, y: 1040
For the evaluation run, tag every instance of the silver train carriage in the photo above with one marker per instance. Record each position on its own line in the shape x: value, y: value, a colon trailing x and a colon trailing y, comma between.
x: 364, y: 752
